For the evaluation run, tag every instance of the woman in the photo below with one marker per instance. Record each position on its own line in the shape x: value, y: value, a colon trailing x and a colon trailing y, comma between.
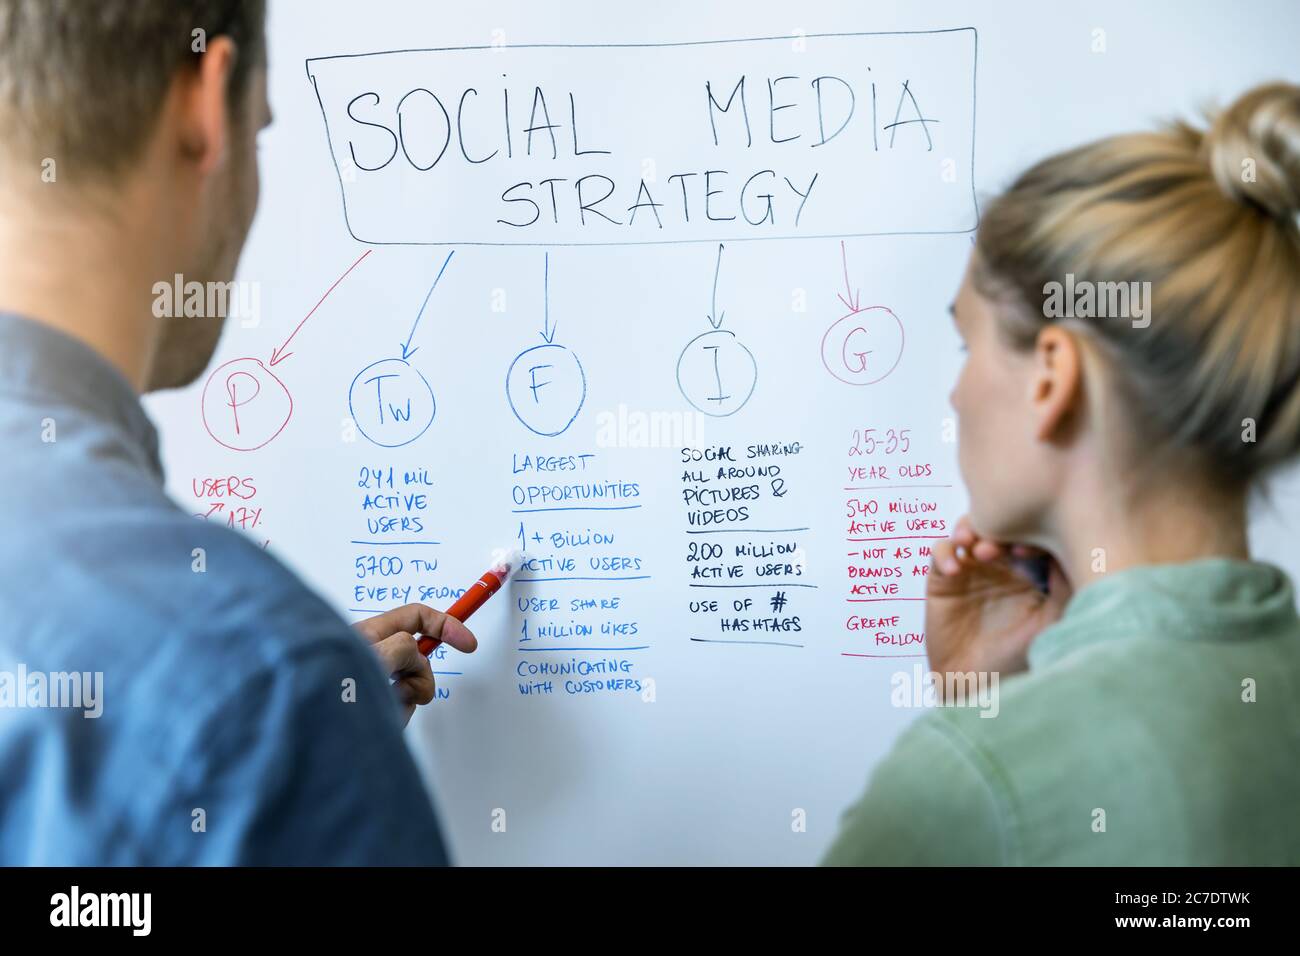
x: 1154, y: 712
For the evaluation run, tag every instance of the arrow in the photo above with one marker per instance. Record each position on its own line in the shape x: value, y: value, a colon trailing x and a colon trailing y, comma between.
x: 548, y: 333
x: 852, y: 300
x: 407, y: 351
x: 279, y: 355
x: 718, y: 322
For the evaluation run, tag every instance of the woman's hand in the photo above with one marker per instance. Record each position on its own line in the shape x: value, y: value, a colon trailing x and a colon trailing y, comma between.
x: 982, y: 606
x: 392, y: 636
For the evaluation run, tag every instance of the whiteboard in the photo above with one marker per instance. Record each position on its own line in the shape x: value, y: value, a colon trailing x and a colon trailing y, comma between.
x: 453, y: 335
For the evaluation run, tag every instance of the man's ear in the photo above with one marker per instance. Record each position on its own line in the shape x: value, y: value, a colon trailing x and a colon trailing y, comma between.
x: 1056, y: 382
x: 203, y: 106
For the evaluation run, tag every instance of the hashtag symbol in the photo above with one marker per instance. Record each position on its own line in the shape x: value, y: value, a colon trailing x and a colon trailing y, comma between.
x: 778, y: 600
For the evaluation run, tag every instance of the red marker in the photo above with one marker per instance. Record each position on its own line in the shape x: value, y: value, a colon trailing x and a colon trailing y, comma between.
x: 474, y: 598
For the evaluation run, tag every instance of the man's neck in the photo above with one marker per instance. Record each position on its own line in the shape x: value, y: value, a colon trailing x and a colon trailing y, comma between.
x: 86, y: 273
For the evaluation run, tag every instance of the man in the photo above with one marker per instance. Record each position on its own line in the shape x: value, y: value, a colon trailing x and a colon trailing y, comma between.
x: 169, y: 693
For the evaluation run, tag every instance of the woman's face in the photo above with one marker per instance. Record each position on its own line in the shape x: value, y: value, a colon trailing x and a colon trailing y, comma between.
x: 1004, y: 466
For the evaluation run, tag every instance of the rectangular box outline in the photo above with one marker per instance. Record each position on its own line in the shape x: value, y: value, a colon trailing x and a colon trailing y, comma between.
x: 329, y: 140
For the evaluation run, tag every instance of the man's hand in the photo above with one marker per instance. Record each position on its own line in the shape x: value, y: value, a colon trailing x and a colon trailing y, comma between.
x: 393, y: 634
x: 982, y: 611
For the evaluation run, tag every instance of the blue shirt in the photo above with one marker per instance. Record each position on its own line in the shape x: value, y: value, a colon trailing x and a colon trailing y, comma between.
x: 241, y: 721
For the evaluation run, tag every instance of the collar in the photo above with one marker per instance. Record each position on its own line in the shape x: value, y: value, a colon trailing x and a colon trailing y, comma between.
x: 1211, y: 599
x: 40, y: 362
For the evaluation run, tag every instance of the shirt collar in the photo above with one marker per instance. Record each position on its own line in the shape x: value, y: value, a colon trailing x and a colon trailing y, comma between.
x: 1216, y: 598
x: 40, y: 362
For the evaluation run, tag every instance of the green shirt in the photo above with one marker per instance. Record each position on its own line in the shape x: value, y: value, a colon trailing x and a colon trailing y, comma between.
x: 1158, y: 724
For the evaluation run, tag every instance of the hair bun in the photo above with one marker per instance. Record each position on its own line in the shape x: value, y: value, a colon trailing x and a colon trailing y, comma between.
x: 1253, y: 148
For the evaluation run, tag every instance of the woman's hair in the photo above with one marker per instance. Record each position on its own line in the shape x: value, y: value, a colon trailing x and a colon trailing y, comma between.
x: 1208, y: 369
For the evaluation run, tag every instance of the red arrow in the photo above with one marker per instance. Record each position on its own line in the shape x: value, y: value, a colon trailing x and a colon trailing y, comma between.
x: 851, y: 301
x: 279, y: 355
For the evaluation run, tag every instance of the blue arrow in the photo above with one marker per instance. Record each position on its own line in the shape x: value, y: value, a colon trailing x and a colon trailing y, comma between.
x: 548, y: 333
x: 717, y: 269
x: 407, y: 351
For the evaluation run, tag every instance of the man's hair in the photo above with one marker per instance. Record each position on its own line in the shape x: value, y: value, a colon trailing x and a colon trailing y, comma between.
x: 83, y: 81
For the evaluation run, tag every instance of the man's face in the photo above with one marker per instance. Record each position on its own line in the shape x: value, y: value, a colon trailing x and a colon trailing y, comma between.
x: 227, y: 204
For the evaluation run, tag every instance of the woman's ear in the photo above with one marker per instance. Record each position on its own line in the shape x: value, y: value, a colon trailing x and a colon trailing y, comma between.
x: 1056, y: 382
